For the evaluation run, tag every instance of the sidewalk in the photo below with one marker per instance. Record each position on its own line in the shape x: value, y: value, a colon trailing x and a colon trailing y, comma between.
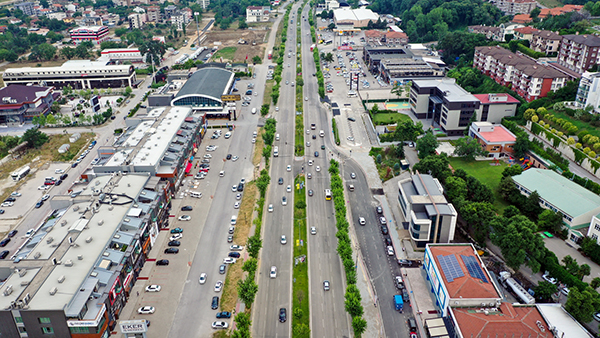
x: 371, y: 313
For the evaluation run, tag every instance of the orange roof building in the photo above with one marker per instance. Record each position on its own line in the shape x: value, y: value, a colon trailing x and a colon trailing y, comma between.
x: 494, y: 138
x: 559, y: 10
x: 458, y: 277
x: 521, y: 18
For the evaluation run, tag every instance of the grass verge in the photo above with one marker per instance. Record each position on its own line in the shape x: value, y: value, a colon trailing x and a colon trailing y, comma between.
x: 387, y: 168
x: 336, y: 134
x: 242, y: 229
x: 300, y: 306
x: 268, y: 91
x: 390, y: 118
x: 258, y: 147
x: 487, y: 173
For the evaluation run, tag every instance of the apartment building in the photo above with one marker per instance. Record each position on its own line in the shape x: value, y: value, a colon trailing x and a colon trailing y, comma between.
x: 204, y: 3
x: 258, y: 13
x: 512, y: 7
x: 26, y: 7
x: 490, y: 32
x: 528, y: 78
x: 153, y: 13
x: 136, y: 20
x: 588, y: 93
x: 545, y: 42
x: 579, y: 52
x: 525, y: 33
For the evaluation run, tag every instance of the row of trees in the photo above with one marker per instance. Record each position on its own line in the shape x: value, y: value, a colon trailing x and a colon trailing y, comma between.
x: 344, y: 249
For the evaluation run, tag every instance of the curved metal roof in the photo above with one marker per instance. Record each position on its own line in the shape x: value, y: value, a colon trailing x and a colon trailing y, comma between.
x: 212, y: 82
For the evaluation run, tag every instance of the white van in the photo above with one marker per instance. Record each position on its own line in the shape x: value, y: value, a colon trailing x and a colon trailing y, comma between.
x: 228, y: 134
x: 276, y: 137
x: 253, y: 111
x: 321, y: 133
x: 276, y: 151
x: 196, y: 194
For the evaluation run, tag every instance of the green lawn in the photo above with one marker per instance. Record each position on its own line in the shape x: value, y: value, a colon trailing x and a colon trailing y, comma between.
x: 227, y: 53
x: 300, y: 272
x: 390, y: 118
x: 486, y: 173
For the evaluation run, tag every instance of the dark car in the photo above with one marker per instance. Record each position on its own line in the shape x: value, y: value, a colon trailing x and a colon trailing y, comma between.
x: 1, y: 211
x: 187, y: 208
x: 316, y: 154
x: 39, y: 204
x: 323, y: 146
x: 388, y: 241
x: 162, y: 262
x: 176, y: 231
x: 12, y: 233
x: 240, y: 187
x: 405, y: 296
x: 174, y: 243
x: 215, y: 303
x: 3, y: 254
x: 310, y: 192
x: 171, y: 251
x: 63, y: 176
x: 234, y: 254
x: 222, y: 269
x: 280, y: 180
x: 384, y: 230
x: 379, y: 209
x: 4, y: 242
x: 282, y: 315
x: 74, y: 165
x: 10, y: 199
x: 314, y: 137
x: 248, y: 92
x: 59, y: 182
x: 228, y: 156
x: 224, y: 314
x: 351, y: 119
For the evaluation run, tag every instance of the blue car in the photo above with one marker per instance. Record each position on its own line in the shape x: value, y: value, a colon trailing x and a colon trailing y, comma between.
x: 176, y: 231
x: 224, y: 314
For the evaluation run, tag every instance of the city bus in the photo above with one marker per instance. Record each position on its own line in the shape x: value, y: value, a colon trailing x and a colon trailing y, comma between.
x: 19, y: 174
x: 327, y: 195
x: 328, y: 42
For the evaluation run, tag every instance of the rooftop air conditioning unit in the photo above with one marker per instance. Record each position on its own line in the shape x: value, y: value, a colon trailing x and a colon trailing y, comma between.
x: 89, y: 239
x: 61, y: 279
x: 53, y: 291
x: 68, y: 262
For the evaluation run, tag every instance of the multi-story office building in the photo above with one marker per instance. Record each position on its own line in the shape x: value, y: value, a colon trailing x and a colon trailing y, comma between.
x: 20, y: 103
x: 94, y: 34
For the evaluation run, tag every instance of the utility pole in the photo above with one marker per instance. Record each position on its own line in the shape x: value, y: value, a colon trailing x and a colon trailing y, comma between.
x: 196, y: 14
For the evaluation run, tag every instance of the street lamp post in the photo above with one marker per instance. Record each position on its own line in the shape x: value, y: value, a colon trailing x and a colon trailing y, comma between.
x: 196, y: 14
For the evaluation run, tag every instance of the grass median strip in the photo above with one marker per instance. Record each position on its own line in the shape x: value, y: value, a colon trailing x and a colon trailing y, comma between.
x: 300, y: 305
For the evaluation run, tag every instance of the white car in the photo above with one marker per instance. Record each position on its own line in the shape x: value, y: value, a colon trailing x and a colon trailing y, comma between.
x: 318, y: 169
x: 243, y: 181
x: 284, y: 201
x: 227, y: 134
x: 236, y: 247
x: 153, y: 288
x: 313, y: 230
x: 220, y: 325
x: 288, y: 188
x: 234, y: 188
x: 309, y: 175
x: 270, y: 208
x: 310, y: 162
x: 221, y: 173
x: 219, y: 286
x: 16, y: 194
x: 235, y: 158
x: 176, y: 237
x: 45, y: 197
x: 229, y: 260
x: 253, y: 140
x: 273, y: 273
x: 208, y: 156
x: 7, y: 204
x: 59, y: 171
x: 283, y: 240
x: 44, y: 187
x: 185, y: 218
x: 202, y: 279
x: 362, y: 221
x: 390, y: 250
x: 146, y: 310
x: 238, y: 196
x: 549, y: 279
x: 276, y: 108
x: 306, y: 98
x: 289, y: 168
x: 233, y: 220
x: 200, y: 176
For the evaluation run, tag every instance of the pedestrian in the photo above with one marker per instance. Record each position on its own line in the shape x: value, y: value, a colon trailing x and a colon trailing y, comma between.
x: 138, y: 293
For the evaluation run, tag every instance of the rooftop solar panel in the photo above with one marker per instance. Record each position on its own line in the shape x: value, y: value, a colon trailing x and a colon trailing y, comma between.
x: 473, y: 267
x: 450, y: 266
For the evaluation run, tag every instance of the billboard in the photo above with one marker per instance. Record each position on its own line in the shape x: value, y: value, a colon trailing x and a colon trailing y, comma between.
x: 133, y: 326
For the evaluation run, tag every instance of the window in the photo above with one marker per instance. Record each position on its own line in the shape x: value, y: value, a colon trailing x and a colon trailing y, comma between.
x: 47, y: 330
x: 597, y: 227
x: 79, y: 329
x: 44, y: 320
x: 18, y: 319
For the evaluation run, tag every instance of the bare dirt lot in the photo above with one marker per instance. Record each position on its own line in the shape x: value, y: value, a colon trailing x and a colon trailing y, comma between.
x: 230, y: 38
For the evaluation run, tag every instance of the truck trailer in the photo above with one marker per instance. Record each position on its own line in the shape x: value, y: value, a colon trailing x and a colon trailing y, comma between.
x: 398, y: 303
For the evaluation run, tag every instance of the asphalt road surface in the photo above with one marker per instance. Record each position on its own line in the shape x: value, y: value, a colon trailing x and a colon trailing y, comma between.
x: 327, y: 310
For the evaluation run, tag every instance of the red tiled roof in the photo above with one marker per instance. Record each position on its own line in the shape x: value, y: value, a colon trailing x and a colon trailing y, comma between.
x: 396, y: 35
x: 509, y: 321
x: 467, y: 286
x: 485, y: 98
x: 373, y: 33
x: 559, y: 10
x: 521, y: 18
x: 526, y: 30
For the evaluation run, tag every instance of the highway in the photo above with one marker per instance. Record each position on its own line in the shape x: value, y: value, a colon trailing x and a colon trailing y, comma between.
x: 275, y: 293
x: 327, y: 310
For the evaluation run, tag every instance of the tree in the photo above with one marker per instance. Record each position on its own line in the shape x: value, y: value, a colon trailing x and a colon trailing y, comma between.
x: 42, y: 52
x: 301, y: 330
x: 427, y: 144
x: 247, y: 290
x: 584, y: 270
x: 435, y: 165
x: 242, y: 23
x: 456, y: 188
x: 532, y: 208
x: 469, y: 148
x: 513, y: 170
x: 250, y: 265
x: 359, y: 325
x: 534, y: 13
x: 353, y: 305
x: 256, y: 59
x: 550, y: 220
x: 478, y: 215
x: 34, y: 137
x: 398, y: 89
x: 51, y: 119
x: 521, y: 145
x: 582, y: 305
x: 595, y: 283
x: 544, y: 290
x: 331, y: 26
x: 128, y: 91
x: 254, y: 245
